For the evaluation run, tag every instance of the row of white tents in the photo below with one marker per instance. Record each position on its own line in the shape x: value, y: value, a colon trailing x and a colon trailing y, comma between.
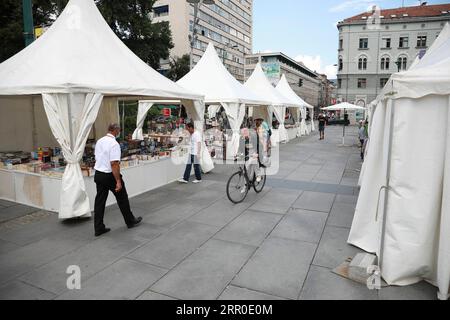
x: 79, y: 62
x: 403, y: 210
x: 221, y: 90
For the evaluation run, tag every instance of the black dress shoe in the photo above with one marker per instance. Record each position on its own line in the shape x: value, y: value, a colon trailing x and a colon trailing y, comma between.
x: 135, y: 222
x: 99, y: 233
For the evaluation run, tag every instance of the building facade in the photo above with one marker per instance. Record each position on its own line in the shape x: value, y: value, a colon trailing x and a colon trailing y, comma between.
x: 303, y: 81
x: 374, y: 45
x: 228, y: 24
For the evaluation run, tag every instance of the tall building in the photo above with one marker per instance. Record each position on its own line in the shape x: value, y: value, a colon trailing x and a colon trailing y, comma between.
x: 305, y: 82
x: 374, y: 45
x: 226, y: 23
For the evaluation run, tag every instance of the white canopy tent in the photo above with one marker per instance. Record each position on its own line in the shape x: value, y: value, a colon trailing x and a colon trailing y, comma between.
x: 407, y: 175
x: 77, y: 62
x: 344, y: 106
x: 285, y: 89
x: 212, y: 79
x: 258, y: 82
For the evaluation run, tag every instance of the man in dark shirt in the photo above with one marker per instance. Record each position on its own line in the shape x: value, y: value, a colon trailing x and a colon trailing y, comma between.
x: 322, y: 121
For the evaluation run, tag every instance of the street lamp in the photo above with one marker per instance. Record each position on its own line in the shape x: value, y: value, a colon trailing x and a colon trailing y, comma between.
x: 196, y: 4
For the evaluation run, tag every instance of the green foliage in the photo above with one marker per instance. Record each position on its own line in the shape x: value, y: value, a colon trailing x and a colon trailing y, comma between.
x: 179, y: 67
x: 129, y: 19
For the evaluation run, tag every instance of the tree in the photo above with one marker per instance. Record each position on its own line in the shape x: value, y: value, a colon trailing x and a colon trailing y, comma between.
x: 129, y: 19
x: 11, y: 24
x: 179, y: 67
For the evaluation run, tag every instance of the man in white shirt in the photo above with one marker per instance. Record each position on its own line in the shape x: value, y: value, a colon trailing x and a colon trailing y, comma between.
x: 108, y: 178
x: 195, y: 153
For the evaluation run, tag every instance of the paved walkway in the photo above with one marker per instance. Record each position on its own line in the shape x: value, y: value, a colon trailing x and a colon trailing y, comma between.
x: 194, y: 244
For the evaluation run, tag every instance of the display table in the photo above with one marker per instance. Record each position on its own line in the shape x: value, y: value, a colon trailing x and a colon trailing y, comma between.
x: 43, y: 192
x: 292, y: 132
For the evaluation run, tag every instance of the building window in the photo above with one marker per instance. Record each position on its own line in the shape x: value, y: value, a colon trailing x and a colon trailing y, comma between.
x: 385, y: 63
x: 341, y: 44
x: 386, y: 43
x: 161, y: 11
x: 362, y: 63
x: 339, y: 84
x: 341, y: 64
x: 383, y: 82
x: 402, y: 63
x: 404, y: 42
x: 364, y: 43
x: 421, y: 41
x: 362, y: 83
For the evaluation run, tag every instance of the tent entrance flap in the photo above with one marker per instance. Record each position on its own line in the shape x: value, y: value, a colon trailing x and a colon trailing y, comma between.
x: 71, y: 117
x: 236, y: 114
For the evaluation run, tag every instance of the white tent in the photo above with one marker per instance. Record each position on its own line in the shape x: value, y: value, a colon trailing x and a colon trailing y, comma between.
x: 344, y: 106
x: 259, y: 83
x: 285, y: 89
x: 212, y: 79
x: 77, y: 62
x: 403, y: 210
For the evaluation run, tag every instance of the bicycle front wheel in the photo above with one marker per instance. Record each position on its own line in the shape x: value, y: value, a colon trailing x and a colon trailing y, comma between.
x: 237, y: 187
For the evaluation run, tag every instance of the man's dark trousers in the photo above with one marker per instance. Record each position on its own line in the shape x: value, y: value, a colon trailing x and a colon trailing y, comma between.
x: 187, y: 173
x: 105, y: 183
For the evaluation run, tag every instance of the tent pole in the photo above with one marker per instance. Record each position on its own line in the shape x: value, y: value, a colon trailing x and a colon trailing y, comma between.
x: 387, y: 187
x: 69, y: 113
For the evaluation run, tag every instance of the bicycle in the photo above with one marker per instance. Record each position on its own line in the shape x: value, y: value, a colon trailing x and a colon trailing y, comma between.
x: 240, y: 183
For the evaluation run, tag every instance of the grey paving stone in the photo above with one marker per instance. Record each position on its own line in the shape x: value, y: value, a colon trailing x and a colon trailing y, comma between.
x: 347, y: 199
x: 277, y: 201
x: 301, y: 225
x: 314, y: 201
x: 349, y: 182
x: 175, y: 213
x: 322, y: 284
x: 418, y: 291
x: 125, y: 279
x: 333, y: 248
x: 206, y: 273
x: 341, y: 215
x: 235, y: 293
x: 250, y: 228
x: 30, y: 232
x: 6, y: 203
x: 172, y: 247
x: 17, y: 290
x: 149, y: 295
x: 6, y: 246
x: 220, y: 213
x: 301, y: 176
x: 278, y: 267
x: 208, y: 196
x: 91, y: 258
x: 25, y: 259
x: 15, y: 211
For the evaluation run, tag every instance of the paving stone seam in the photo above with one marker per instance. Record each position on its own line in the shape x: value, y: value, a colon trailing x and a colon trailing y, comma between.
x: 317, y: 248
x: 212, y: 238
x: 149, y: 264
x: 251, y: 256
x: 123, y: 256
x: 255, y: 290
x: 162, y: 294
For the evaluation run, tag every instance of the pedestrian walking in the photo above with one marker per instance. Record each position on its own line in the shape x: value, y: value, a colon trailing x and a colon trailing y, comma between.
x: 363, y: 136
x: 108, y: 178
x: 322, y: 122
x: 194, y: 157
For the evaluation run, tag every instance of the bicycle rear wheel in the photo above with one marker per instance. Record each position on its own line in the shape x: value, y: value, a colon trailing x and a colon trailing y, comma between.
x: 259, y: 186
x: 237, y: 187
